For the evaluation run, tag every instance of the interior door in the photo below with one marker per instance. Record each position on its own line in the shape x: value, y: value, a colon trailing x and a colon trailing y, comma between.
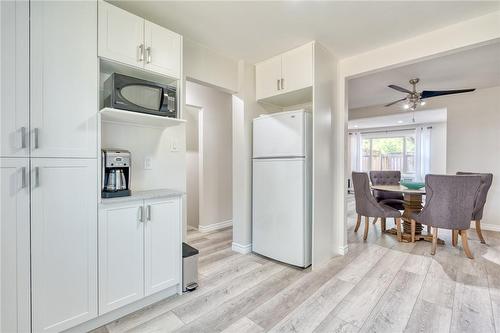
x: 267, y: 77
x: 64, y: 78
x: 63, y: 242
x: 163, y: 50
x: 297, y: 66
x: 121, y: 35
x: 162, y: 244
x: 14, y: 245
x: 278, y: 218
x: 121, y: 255
x: 14, y: 76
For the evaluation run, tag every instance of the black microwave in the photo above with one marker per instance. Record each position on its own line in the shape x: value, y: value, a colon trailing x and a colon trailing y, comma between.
x: 132, y: 94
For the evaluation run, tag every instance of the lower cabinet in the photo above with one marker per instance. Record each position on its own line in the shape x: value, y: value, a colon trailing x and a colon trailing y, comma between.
x: 63, y: 242
x: 139, y: 250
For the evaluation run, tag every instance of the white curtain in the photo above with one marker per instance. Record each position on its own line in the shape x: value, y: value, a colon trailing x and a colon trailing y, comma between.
x: 355, y: 151
x: 423, y: 152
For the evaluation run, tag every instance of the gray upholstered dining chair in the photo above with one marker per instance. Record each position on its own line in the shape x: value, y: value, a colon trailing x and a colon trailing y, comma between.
x: 477, y: 214
x: 449, y: 205
x: 367, y: 206
x: 387, y: 178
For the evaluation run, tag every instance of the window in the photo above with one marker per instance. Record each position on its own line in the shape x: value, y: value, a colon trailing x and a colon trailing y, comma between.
x: 396, y: 151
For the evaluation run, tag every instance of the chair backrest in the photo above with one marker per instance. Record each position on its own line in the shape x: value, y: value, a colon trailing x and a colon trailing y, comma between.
x: 385, y: 177
x: 486, y: 180
x: 449, y: 201
x: 366, y: 205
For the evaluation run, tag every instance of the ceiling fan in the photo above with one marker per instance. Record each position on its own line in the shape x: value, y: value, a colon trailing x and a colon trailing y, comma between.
x: 415, y: 98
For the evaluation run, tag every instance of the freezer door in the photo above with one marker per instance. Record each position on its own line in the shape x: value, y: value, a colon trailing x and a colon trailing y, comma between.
x: 279, y: 219
x: 279, y: 135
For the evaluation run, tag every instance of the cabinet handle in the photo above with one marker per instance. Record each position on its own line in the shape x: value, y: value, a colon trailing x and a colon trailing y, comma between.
x: 37, y: 176
x: 278, y: 84
x: 36, y: 133
x: 148, y: 213
x: 282, y: 83
x: 23, y: 137
x: 141, y: 214
x: 141, y: 52
x: 148, y: 55
x: 23, y: 177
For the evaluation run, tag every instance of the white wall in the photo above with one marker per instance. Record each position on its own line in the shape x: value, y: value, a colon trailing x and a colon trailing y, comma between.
x: 168, y: 168
x: 438, y: 148
x: 204, y: 65
x: 216, y: 132
x: 191, y: 114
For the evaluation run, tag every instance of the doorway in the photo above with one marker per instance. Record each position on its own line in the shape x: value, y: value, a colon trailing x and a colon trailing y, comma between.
x: 194, y: 131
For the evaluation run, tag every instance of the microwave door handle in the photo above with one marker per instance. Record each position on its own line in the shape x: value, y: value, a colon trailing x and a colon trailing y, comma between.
x: 162, y: 99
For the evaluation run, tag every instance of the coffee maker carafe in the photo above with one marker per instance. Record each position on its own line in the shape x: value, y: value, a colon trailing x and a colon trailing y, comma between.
x: 115, y: 173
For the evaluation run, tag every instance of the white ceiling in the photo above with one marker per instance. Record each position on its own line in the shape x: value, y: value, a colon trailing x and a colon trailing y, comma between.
x: 399, y: 119
x: 474, y: 68
x: 256, y: 30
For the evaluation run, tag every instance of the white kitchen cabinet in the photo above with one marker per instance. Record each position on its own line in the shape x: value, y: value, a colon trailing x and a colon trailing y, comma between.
x: 121, y: 259
x: 64, y: 79
x: 286, y: 73
x: 131, y: 40
x: 121, y: 35
x: 14, y: 245
x: 162, y: 244
x: 139, y: 249
x: 63, y: 242
x: 14, y: 76
x: 163, y: 50
x: 268, y: 77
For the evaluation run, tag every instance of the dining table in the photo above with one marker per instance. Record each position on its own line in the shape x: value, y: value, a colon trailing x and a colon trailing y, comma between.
x: 412, y: 203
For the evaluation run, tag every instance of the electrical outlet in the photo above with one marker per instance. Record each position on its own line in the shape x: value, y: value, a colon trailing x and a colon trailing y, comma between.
x: 148, y: 163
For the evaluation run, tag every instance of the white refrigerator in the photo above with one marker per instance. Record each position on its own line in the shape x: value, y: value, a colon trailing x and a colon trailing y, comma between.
x: 281, y: 191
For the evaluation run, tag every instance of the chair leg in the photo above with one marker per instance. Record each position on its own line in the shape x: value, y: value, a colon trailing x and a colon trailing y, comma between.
x: 479, y: 233
x: 367, y: 224
x: 358, y: 222
x: 454, y: 238
x: 413, y: 229
x: 465, y: 243
x: 428, y: 229
x: 398, y: 228
x: 434, y: 240
x: 382, y: 224
x: 375, y: 219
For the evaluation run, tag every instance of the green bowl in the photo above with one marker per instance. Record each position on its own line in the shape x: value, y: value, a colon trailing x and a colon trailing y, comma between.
x: 413, y: 185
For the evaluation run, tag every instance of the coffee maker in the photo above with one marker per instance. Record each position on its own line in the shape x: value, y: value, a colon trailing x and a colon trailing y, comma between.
x: 115, y: 173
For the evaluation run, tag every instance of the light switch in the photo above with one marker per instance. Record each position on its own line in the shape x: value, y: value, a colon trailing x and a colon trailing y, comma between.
x: 148, y: 163
x: 174, y: 145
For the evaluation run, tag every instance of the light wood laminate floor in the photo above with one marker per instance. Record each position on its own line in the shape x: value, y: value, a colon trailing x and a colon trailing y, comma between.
x: 379, y: 286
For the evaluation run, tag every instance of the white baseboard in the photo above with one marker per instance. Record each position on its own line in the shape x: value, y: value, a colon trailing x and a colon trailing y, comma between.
x: 215, y: 226
x: 243, y: 249
x: 486, y: 226
x: 343, y: 249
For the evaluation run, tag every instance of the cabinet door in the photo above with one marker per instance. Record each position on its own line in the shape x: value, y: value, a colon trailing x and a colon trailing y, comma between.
x: 14, y: 76
x: 121, y: 255
x: 163, y: 50
x: 297, y: 66
x: 162, y: 244
x: 63, y: 242
x: 64, y: 78
x: 121, y: 35
x: 267, y: 77
x: 14, y: 245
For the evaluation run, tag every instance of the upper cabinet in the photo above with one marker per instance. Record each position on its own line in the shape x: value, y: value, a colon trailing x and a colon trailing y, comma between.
x: 289, y: 72
x: 64, y: 79
x: 131, y: 40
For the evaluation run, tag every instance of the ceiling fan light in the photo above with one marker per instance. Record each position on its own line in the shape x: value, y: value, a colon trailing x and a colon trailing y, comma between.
x: 406, y: 106
x: 422, y: 103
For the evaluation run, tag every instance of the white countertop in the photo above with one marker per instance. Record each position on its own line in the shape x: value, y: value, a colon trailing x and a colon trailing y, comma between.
x: 143, y: 195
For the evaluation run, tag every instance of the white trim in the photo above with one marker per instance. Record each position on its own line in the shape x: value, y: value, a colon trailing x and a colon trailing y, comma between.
x: 243, y: 249
x: 486, y: 226
x: 215, y: 226
x: 344, y: 249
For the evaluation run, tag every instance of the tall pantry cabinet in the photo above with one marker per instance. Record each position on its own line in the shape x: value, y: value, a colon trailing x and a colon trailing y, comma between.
x: 48, y: 160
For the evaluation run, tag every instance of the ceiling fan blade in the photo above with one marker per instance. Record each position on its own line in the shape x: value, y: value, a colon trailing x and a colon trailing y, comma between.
x: 430, y: 93
x: 399, y: 100
x: 398, y: 88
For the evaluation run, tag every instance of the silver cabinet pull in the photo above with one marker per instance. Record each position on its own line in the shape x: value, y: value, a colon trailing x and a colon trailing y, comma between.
x: 24, y: 177
x: 148, y: 213
x: 282, y: 83
x: 148, y: 55
x: 37, y: 176
x: 141, y: 52
x: 141, y: 214
x: 23, y: 137
x: 36, y: 133
x: 278, y: 84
